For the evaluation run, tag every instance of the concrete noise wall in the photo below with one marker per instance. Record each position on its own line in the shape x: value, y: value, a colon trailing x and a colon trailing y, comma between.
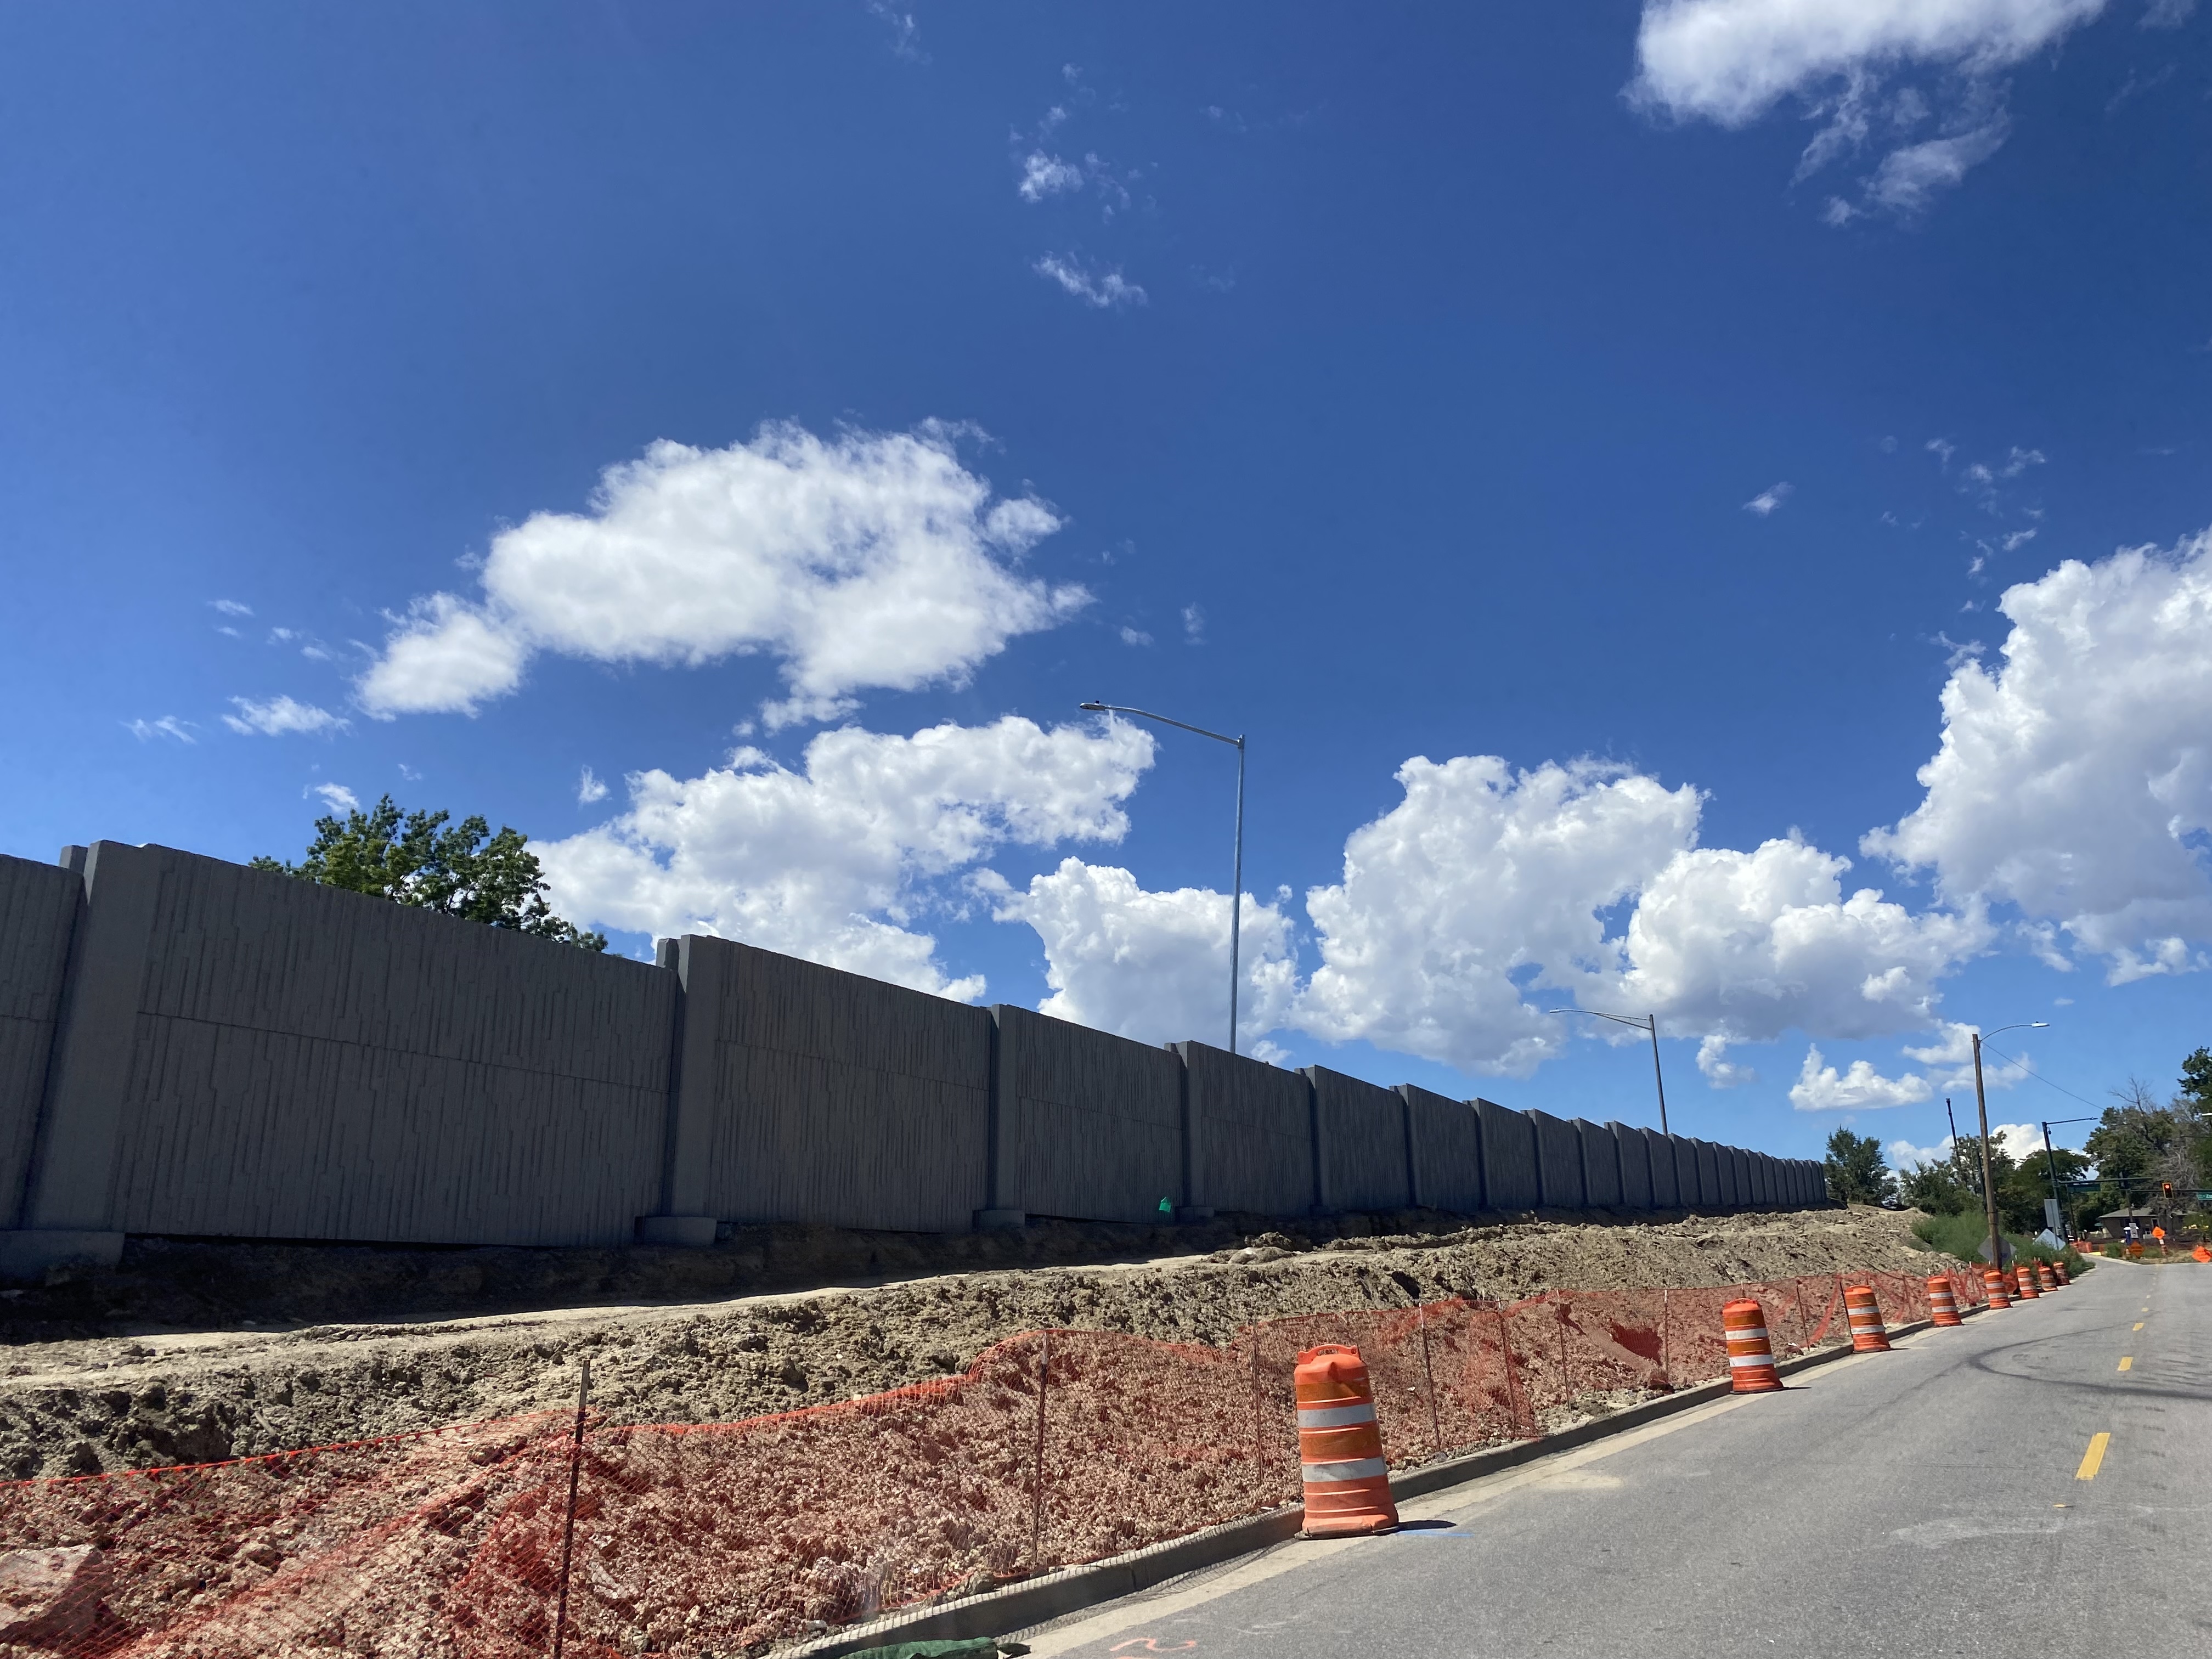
x: 1635, y: 1156
x: 1510, y: 1178
x: 38, y: 905
x: 188, y: 1047
x: 1359, y: 1140
x: 1558, y: 1161
x: 1600, y: 1166
x: 807, y: 1094
x: 1250, y: 1128
x: 1088, y: 1126
x: 245, y: 1054
x: 1447, y: 1141
x: 1659, y: 1152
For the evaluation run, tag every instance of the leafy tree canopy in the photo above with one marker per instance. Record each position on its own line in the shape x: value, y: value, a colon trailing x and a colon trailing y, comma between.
x: 414, y: 858
x: 1857, y: 1171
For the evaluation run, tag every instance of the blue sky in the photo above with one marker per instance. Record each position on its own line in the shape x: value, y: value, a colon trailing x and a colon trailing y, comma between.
x: 1598, y: 455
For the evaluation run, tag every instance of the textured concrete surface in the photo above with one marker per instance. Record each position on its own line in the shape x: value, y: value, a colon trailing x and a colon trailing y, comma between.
x: 1510, y: 1180
x: 1359, y: 1135
x: 38, y: 904
x: 1447, y: 1143
x: 1635, y: 1156
x: 1558, y: 1161
x: 1250, y: 1127
x: 1600, y: 1166
x: 1927, y: 1501
x: 831, y: 1097
x: 1090, y: 1123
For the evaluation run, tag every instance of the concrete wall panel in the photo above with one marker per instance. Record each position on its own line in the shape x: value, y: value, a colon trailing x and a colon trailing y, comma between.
x: 1665, y: 1194
x: 1635, y: 1155
x: 1739, y: 1164
x: 833, y: 1098
x: 38, y: 904
x: 1709, y: 1176
x: 1447, y: 1142
x: 1558, y: 1161
x: 307, y: 1063
x: 1251, y: 1132
x: 1509, y: 1176
x: 1090, y: 1123
x: 1360, y: 1134
x: 1600, y: 1166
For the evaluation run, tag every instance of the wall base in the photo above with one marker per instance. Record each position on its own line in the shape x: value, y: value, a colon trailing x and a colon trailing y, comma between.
x: 991, y: 1220
x: 25, y: 1256
x: 688, y: 1229
x: 1187, y: 1212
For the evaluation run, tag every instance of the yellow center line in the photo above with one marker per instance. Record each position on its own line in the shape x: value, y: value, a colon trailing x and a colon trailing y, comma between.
x: 2127, y: 1362
x: 2094, y: 1458
x: 2139, y: 1324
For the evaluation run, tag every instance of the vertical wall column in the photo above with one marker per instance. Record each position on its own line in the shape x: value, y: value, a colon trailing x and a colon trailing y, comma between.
x: 65, y: 1215
x: 1002, y: 1205
x: 687, y: 1144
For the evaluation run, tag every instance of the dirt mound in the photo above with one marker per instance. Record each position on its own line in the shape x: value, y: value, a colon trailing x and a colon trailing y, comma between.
x: 111, y: 1402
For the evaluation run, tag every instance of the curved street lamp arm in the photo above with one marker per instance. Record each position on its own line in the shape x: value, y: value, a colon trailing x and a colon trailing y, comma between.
x: 1146, y: 713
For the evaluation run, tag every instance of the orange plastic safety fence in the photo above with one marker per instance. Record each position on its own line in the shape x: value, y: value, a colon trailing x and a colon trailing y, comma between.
x: 1055, y: 1448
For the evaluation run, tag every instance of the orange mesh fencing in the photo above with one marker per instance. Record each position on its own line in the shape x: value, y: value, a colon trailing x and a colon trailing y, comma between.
x: 552, y: 1532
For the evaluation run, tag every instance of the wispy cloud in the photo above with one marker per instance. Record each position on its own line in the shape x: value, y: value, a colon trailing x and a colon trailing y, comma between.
x: 1193, y: 624
x: 1135, y: 636
x: 336, y: 796
x: 280, y: 716
x: 169, y: 725
x: 1768, y: 499
x: 590, y: 787
x: 231, y: 607
x: 1044, y: 175
x: 1104, y: 290
x: 906, y: 33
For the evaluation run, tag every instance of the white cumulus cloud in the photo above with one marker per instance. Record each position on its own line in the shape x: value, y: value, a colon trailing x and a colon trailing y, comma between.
x: 2075, y: 778
x: 1716, y: 1067
x: 1104, y: 290
x: 1852, y: 63
x: 1154, y: 965
x: 1821, y: 1088
x: 871, y: 560
x: 1044, y: 175
x: 838, y: 861
x: 279, y: 716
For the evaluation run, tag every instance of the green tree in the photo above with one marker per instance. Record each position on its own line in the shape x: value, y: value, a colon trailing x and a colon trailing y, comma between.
x: 1856, y: 1173
x: 2197, y: 1082
x: 414, y: 858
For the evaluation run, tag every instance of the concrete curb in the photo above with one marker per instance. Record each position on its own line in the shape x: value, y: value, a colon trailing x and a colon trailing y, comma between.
x: 1037, y: 1600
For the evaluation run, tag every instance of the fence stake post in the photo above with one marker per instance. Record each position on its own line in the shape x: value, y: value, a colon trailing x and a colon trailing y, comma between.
x: 1259, y: 1429
x: 1666, y: 1367
x: 1428, y: 1371
x: 1512, y: 1393
x: 1036, y: 1485
x: 1567, y: 1377
x: 1804, y: 1325
x: 568, y: 1523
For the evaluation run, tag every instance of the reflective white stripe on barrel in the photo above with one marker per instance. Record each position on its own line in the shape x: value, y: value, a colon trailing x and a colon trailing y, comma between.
x: 1751, y: 1359
x: 1335, y: 1417
x: 1358, y: 1468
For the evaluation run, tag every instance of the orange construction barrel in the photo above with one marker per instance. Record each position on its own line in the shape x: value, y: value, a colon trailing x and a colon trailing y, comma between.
x: 1869, y: 1333
x: 1942, y: 1302
x: 1993, y: 1286
x: 1751, y: 1356
x: 1348, y: 1483
x: 2044, y: 1279
x: 2024, y: 1277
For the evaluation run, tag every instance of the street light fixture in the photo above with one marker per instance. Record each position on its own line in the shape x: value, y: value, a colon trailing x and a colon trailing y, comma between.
x: 1648, y: 1023
x: 1237, y: 877
x: 1981, y: 1105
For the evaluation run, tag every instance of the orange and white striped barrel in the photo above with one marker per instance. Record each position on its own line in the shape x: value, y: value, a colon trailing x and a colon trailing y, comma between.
x: 2023, y: 1277
x: 1942, y: 1302
x: 2065, y: 1278
x: 2044, y: 1279
x: 1869, y: 1333
x: 1347, y: 1482
x: 1751, y: 1356
x: 1993, y: 1282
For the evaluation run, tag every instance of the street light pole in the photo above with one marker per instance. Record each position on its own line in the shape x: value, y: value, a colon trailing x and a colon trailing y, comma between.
x: 1648, y: 1023
x: 1989, y: 1179
x: 1236, y: 864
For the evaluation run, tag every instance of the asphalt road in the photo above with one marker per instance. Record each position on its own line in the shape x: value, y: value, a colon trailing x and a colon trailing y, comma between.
x: 1931, y: 1500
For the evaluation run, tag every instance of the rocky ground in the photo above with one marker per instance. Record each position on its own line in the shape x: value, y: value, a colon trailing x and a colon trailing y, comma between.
x: 199, y: 1352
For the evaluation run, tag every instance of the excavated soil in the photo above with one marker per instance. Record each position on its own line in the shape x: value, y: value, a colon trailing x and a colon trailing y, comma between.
x: 98, y: 1379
